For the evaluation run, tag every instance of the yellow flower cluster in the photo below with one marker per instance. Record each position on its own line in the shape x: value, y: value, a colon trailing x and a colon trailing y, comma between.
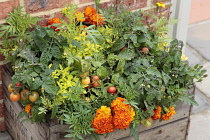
x: 161, y: 4
x: 66, y: 80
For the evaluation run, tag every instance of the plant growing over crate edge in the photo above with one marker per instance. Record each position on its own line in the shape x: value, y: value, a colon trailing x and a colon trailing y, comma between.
x: 115, y: 74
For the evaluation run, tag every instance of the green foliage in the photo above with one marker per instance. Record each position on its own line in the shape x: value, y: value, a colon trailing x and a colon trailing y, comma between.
x: 54, y: 64
x: 15, y: 32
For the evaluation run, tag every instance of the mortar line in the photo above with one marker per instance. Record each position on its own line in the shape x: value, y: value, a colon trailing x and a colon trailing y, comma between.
x: 208, y: 98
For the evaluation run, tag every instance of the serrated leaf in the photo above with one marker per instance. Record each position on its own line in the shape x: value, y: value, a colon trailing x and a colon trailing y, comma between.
x: 45, y: 57
x: 133, y: 37
x: 36, y: 83
x: 119, y: 44
x: 127, y: 54
x: 33, y: 74
x: 52, y: 89
x: 145, y: 62
x: 153, y: 71
x: 166, y: 78
x: 56, y: 52
x: 120, y: 65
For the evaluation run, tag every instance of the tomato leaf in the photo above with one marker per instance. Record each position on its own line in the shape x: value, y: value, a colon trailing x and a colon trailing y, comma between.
x: 56, y: 52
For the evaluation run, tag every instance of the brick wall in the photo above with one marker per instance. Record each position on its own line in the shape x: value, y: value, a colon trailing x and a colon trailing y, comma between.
x: 47, y: 9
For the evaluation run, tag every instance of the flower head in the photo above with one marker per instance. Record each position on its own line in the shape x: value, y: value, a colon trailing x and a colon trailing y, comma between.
x: 123, y: 113
x: 102, y: 122
x: 183, y: 57
x: 169, y: 114
x: 79, y: 16
x: 161, y: 4
x: 157, y: 113
x: 28, y: 108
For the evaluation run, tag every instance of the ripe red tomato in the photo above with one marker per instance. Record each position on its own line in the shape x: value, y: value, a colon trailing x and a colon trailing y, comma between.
x: 18, y: 84
x: 145, y: 50
x: 33, y: 96
x: 14, y: 97
x: 96, y: 83
x: 95, y: 78
x: 10, y: 88
x: 24, y: 94
x: 86, y: 81
x: 112, y: 89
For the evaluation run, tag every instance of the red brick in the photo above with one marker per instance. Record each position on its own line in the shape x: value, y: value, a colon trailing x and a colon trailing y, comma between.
x: 6, y: 7
x: 2, y: 126
x: 84, y: 1
x: 1, y: 109
x: 34, y: 6
x: 1, y: 57
x: 131, y: 4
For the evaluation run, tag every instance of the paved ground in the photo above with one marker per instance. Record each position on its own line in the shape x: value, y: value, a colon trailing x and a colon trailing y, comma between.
x: 198, y: 51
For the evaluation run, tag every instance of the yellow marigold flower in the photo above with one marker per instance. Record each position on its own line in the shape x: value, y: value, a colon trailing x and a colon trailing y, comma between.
x: 169, y: 114
x: 102, y: 122
x: 28, y: 108
x: 79, y: 16
x: 123, y: 113
x: 157, y: 113
x: 64, y: 10
x: 161, y: 4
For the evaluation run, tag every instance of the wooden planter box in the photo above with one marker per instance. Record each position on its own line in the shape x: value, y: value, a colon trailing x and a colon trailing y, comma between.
x: 174, y: 129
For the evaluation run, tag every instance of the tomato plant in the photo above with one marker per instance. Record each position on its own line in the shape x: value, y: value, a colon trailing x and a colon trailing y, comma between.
x: 112, y: 89
x: 33, y: 96
x: 144, y: 50
x: 86, y: 81
x: 24, y: 94
x: 10, y: 88
x: 14, y: 97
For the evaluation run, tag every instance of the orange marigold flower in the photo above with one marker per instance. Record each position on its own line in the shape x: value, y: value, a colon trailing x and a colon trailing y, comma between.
x: 123, y: 113
x: 54, y: 20
x: 102, y: 122
x: 157, y: 113
x: 28, y: 108
x: 89, y: 11
x: 169, y: 114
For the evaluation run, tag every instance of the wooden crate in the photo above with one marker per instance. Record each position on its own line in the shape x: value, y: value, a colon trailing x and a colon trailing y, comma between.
x: 174, y: 129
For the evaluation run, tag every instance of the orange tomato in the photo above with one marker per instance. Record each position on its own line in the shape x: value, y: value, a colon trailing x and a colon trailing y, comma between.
x: 14, y: 97
x: 33, y: 96
x: 86, y: 81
